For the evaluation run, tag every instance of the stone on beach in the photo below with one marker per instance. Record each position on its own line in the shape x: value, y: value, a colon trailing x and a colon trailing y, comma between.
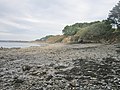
x: 61, y: 67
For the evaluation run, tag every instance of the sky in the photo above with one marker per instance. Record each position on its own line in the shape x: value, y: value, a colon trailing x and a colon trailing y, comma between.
x: 33, y: 19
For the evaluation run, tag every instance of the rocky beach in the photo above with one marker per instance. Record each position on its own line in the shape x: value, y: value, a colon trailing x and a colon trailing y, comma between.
x: 61, y: 67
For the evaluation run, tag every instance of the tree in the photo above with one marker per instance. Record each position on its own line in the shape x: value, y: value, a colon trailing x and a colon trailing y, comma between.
x: 114, y: 16
x: 70, y: 30
x: 73, y: 29
x: 95, y: 31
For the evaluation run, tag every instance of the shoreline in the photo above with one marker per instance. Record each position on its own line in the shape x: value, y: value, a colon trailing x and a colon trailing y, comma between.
x: 60, y: 67
x: 15, y: 45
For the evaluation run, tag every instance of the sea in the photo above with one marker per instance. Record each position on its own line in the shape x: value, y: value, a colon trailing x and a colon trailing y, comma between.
x: 18, y: 44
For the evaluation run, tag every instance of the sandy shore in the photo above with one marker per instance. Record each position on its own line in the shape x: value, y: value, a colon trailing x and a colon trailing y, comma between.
x: 61, y: 67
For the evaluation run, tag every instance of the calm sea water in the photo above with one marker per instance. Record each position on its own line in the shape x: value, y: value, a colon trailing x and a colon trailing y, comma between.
x: 17, y: 44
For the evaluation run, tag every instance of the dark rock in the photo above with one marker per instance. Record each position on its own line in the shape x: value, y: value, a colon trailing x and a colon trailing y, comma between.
x: 2, y: 57
x: 68, y: 77
x: 62, y: 72
x: 109, y: 61
x: 60, y: 67
x: 49, y: 77
x: 26, y: 67
x: 79, y: 62
x: 18, y: 80
x: 2, y: 74
x: 75, y: 83
x: 90, y: 73
x: 118, y: 51
x: 51, y: 64
x: 15, y: 77
x: 60, y: 58
x: 1, y: 80
x: 43, y: 73
x: 118, y: 71
x: 75, y: 71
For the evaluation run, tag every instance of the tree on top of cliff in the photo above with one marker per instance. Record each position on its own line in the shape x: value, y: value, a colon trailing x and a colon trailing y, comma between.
x: 114, y: 16
x: 73, y: 29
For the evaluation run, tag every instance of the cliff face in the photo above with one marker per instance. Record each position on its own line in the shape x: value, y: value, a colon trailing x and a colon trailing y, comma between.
x: 113, y: 37
x: 55, y: 39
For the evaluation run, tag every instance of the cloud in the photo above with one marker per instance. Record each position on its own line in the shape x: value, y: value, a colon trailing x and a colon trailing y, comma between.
x: 13, y: 24
x: 31, y: 19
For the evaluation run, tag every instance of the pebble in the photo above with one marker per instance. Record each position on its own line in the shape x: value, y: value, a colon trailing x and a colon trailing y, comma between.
x: 83, y: 73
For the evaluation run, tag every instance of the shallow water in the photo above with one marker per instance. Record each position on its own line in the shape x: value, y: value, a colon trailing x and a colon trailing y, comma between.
x: 17, y: 44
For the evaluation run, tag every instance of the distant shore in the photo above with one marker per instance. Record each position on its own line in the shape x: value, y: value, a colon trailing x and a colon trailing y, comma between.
x: 19, y: 44
x: 14, y: 41
x: 60, y: 67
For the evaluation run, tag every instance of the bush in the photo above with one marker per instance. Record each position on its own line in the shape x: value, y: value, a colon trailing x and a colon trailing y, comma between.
x: 73, y: 29
x: 96, y: 30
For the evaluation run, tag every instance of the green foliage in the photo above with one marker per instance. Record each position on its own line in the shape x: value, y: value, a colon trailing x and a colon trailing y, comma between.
x: 70, y: 30
x: 89, y: 31
x: 114, y: 16
x: 96, y: 30
x: 73, y: 29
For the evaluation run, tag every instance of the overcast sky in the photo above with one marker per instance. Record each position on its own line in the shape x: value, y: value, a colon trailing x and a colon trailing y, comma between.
x: 33, y: 19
